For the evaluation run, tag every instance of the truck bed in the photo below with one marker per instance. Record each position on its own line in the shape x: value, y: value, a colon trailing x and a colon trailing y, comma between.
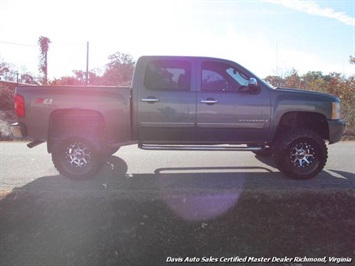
x: 42, y: 102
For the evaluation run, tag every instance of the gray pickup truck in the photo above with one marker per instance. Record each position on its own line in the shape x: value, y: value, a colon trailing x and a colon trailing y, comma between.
x: 180, y: 103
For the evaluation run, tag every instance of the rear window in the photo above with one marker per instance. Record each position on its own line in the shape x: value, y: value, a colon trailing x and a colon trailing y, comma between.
x: 168, y: 75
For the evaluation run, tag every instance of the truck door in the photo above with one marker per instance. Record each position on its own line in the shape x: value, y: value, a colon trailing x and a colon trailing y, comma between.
x: 167, y: 102
x: 227, y: 109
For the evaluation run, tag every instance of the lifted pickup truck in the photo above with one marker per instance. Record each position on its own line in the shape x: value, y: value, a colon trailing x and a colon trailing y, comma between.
x: 180, y: 103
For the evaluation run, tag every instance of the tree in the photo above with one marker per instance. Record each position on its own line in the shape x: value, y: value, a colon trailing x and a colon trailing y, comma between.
x: 7, y: 71
x: 352, y: 60
x: 119, y: 70
x: 315, y: 81
x: 288, y: 79
x: 275, y: 81
x: 4, y: 70
x: 79, y: 79
x: 293, y: 80
x: 27, y: 78
x: 43, y: 59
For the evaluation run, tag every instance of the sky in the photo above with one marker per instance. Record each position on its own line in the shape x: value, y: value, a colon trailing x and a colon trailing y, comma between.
x: 269, y: 37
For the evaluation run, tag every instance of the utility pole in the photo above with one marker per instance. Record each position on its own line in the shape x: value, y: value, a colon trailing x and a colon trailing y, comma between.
x: 87, y: 63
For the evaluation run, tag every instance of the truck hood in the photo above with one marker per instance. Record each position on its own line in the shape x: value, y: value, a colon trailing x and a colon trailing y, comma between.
x: 305, y: 92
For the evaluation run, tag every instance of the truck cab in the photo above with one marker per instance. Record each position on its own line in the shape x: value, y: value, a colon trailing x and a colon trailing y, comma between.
x: 197, y: 100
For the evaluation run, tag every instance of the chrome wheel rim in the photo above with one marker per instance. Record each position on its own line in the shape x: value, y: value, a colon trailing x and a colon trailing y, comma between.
x: 78, y: 155
x: 302, y: 155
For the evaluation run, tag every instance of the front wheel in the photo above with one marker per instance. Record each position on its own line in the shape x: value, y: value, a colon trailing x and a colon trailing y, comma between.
x: 76, y: 158
x: 300, y: 154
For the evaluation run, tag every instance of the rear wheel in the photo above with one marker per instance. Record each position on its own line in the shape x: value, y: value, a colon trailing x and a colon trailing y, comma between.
x: 300, y: 154
x: 76, y: 158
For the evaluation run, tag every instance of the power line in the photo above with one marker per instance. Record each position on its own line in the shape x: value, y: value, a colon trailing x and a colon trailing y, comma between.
x: 18, y: 44
x: 35, y: 45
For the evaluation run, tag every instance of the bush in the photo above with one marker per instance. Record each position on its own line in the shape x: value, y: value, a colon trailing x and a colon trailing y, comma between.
x: 7, y: 112
x: 7, y: 99
x: 333, y: 83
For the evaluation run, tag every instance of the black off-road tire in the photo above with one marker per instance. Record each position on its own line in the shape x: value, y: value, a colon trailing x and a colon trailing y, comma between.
x: 76, y: 157
x: 300, y: 153
x: 112, y: 151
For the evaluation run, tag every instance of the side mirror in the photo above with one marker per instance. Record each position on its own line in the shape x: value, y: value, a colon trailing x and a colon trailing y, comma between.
x: 252, y: 87
x: 253, y: 83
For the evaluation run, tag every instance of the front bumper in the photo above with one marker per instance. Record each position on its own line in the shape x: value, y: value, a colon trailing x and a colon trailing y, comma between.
x: 336, y: 130
x: 19, y: 130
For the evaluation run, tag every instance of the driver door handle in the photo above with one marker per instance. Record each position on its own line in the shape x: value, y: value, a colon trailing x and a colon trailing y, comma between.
x: 209, y: 101
x: 150, y: 100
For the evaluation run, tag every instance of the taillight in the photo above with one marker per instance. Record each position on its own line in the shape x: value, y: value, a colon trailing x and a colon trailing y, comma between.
x: 19, y: 105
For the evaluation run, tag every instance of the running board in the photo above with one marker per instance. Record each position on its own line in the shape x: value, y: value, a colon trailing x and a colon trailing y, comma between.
x: 200, y: 147
x: 34, y: 143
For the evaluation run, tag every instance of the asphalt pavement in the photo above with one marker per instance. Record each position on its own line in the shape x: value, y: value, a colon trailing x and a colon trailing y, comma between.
x: 160, y: 207
x: 133, y: 169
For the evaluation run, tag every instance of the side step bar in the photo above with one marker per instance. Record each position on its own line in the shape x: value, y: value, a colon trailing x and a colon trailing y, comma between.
x: 200, y: 147
x: 34, y: 143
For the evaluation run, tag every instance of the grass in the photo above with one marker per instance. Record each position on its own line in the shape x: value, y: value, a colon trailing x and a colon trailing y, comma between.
x: 97, y: 228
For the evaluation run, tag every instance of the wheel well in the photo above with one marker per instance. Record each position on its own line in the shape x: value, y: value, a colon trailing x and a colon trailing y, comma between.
x: 313, y: 121
x: 86, y: 123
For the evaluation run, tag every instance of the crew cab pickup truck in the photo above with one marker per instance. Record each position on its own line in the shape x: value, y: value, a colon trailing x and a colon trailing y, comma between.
x: 180, y: 103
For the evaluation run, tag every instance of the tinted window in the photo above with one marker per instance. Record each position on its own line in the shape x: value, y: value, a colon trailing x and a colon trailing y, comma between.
x: 213, y: 81
x: 168, y: 75
x: 221, y: 77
